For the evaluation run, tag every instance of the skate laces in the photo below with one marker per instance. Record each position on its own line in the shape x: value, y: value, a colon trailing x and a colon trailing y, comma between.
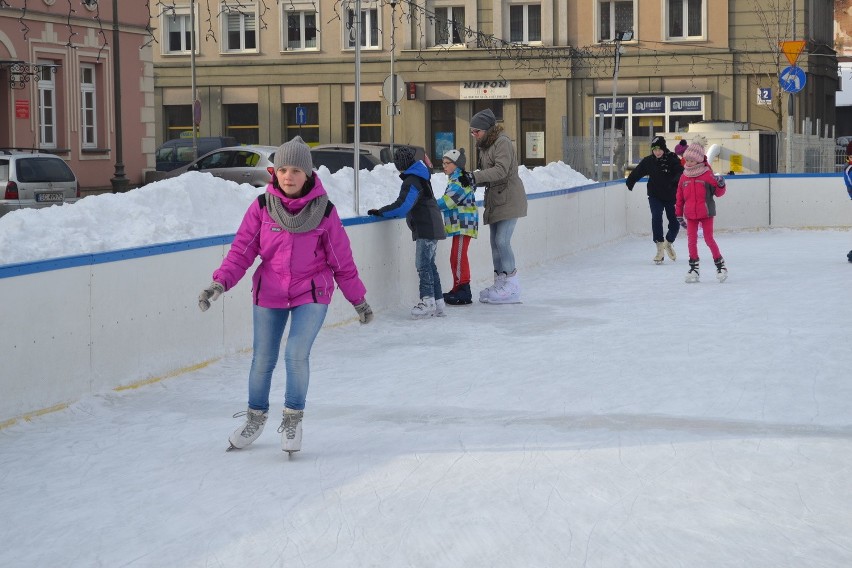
x: 254, y: 421
x: 289, y: 425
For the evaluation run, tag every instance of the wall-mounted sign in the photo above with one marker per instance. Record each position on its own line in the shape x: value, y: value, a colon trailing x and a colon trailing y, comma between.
x: 648, y: 105
x: 22, y: 109
x: 764, y: 96
x: 686, y: 104
x: 604, y: 105
x: 484, y: 90
x: 535, y: 145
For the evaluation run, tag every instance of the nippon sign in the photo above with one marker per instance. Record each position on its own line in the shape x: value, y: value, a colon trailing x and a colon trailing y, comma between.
x: 604, y: 106
x: 469, y: 90
x: 686, y: 104
x: 648, y: 105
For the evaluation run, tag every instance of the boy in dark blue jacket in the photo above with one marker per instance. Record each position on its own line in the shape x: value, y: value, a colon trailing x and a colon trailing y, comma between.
x: 416, y: 202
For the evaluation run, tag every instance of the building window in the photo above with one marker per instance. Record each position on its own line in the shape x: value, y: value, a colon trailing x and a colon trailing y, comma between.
x: 309, y: 131
x: 47, y: 105
x: 299, y: 27
x: 443, y: 125
x: 242, y: 123
x: 615, y: 17
x: 88, y: 100
x: 176, y: 27
x: 371, y: 121
x: 533, y: 126
x: 369, y: 29
x: 685, y: 19
x: 178, y: 119
x: 525, y: 23
x: 449, y: 26
x: 240, y: 28
x: 496, y: 107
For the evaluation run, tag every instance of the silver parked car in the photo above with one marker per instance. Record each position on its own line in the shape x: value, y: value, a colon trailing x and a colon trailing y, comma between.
x: 33, y: 180
x: 240, y: 164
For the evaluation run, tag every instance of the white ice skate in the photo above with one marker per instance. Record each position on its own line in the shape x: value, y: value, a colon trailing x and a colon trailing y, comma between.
x: 291, y: 430
x: 248, y: 432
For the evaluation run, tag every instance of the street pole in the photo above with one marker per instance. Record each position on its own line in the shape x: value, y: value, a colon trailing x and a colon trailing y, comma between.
x: 119, y: 180
x: 356, y: 154
x: 196, y: 114
x: 393, y: 75
x: 619, y: 37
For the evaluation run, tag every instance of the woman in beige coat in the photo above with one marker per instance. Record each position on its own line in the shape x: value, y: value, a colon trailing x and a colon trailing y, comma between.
x: 505, y: 203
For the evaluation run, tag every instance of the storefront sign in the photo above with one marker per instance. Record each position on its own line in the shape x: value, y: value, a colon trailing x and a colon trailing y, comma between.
x: 604, y: 106
x: 686, y: 104
x: 484, y: 90
x: 22, y: 109
x: 648, y: 105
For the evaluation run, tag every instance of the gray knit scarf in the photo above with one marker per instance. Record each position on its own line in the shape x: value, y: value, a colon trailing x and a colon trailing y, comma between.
x: 305, y: 220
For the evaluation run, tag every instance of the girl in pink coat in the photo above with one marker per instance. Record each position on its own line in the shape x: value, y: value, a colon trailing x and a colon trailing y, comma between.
x: 304, y: 251
x: 694, y: 207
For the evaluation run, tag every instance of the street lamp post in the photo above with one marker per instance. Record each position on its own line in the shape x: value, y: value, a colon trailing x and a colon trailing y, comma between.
x: 619, y: 37
x: 119, y: 180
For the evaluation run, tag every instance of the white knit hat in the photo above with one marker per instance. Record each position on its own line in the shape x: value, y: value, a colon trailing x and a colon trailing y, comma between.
x: 457, y: 157
x: 294, y: 153
x: 694, y: 152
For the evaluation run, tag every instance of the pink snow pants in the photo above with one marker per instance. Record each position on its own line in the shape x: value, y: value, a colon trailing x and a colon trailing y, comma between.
x: 692, y: 237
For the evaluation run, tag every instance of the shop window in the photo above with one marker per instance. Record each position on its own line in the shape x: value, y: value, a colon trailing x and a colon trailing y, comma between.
x: 685, y: 19
x: 242, y: 123
x: 615, y: 16
x: 371, y: 122
x: 308, y: 131
x: 178, y: 119
x: 533, y: 122
x: 443, y: 128
x: 679, y: 123
x: 496, y: 107
x: 525, y: 23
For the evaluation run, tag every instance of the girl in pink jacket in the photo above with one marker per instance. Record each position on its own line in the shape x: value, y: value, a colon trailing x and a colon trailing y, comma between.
x: 303, y: 251
x: 694, y: 207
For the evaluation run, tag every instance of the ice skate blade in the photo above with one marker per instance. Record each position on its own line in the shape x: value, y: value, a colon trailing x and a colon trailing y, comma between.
x: 231, y: 447
x: 721, y: 277
x: 658, y: 262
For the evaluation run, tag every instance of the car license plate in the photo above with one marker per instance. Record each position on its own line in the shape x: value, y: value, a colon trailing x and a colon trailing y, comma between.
x: 52, y: 197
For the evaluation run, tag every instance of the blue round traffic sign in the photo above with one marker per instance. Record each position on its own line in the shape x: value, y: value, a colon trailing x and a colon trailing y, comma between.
x: 792, y: 79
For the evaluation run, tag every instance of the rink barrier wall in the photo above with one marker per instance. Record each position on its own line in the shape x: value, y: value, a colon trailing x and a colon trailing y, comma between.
x: 87, y: 324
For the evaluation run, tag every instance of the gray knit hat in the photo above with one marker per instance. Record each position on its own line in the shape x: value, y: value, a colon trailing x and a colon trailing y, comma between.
x: 294, y: 153
x: 457, y: 157
x: 483, y: 120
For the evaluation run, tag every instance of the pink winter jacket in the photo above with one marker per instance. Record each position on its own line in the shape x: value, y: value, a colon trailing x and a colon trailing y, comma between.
x: 695, y: 196
x: 295, y: 268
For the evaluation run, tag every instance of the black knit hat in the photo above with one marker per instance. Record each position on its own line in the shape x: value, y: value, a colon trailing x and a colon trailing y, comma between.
x: 659, y: 142
x: 483, y: 120
x: 403, y: 158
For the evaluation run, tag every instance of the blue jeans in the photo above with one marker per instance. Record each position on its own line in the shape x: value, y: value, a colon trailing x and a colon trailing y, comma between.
x: 269, y: 326
x: 657, y: 208
x: 501, y: 245
x: 424, y: 261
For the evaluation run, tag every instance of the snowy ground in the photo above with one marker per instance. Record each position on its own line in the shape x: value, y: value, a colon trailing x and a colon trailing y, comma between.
x: 618, y: 417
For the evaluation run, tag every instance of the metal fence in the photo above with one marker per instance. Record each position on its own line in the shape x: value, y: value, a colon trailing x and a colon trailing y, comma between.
x: 807, y: 153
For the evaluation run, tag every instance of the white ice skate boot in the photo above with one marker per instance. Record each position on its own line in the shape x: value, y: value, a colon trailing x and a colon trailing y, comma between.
x: 692, y: 275
x: 670, y: 250
x: 291, y: 430
x: 440, y: 304
x: 498, y: 280
x: 424, y: 309
x: 508, y: 292
x: 248, y: 432
x: 721, y: 271
x: 658, y: 258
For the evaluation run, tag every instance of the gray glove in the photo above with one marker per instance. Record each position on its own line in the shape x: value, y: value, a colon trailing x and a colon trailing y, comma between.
x: 209, y: 294
x: 720, y: 181
x: 365, y: 313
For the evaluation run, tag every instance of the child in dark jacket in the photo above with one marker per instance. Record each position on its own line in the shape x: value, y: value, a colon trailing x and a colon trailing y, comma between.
x: 847, y: 177
x: 695, y: 207
x: 416, y: 202
x: 663, y: 169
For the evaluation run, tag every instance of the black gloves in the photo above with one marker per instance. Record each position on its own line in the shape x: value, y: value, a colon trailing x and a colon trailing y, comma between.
x: 374, y: 212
